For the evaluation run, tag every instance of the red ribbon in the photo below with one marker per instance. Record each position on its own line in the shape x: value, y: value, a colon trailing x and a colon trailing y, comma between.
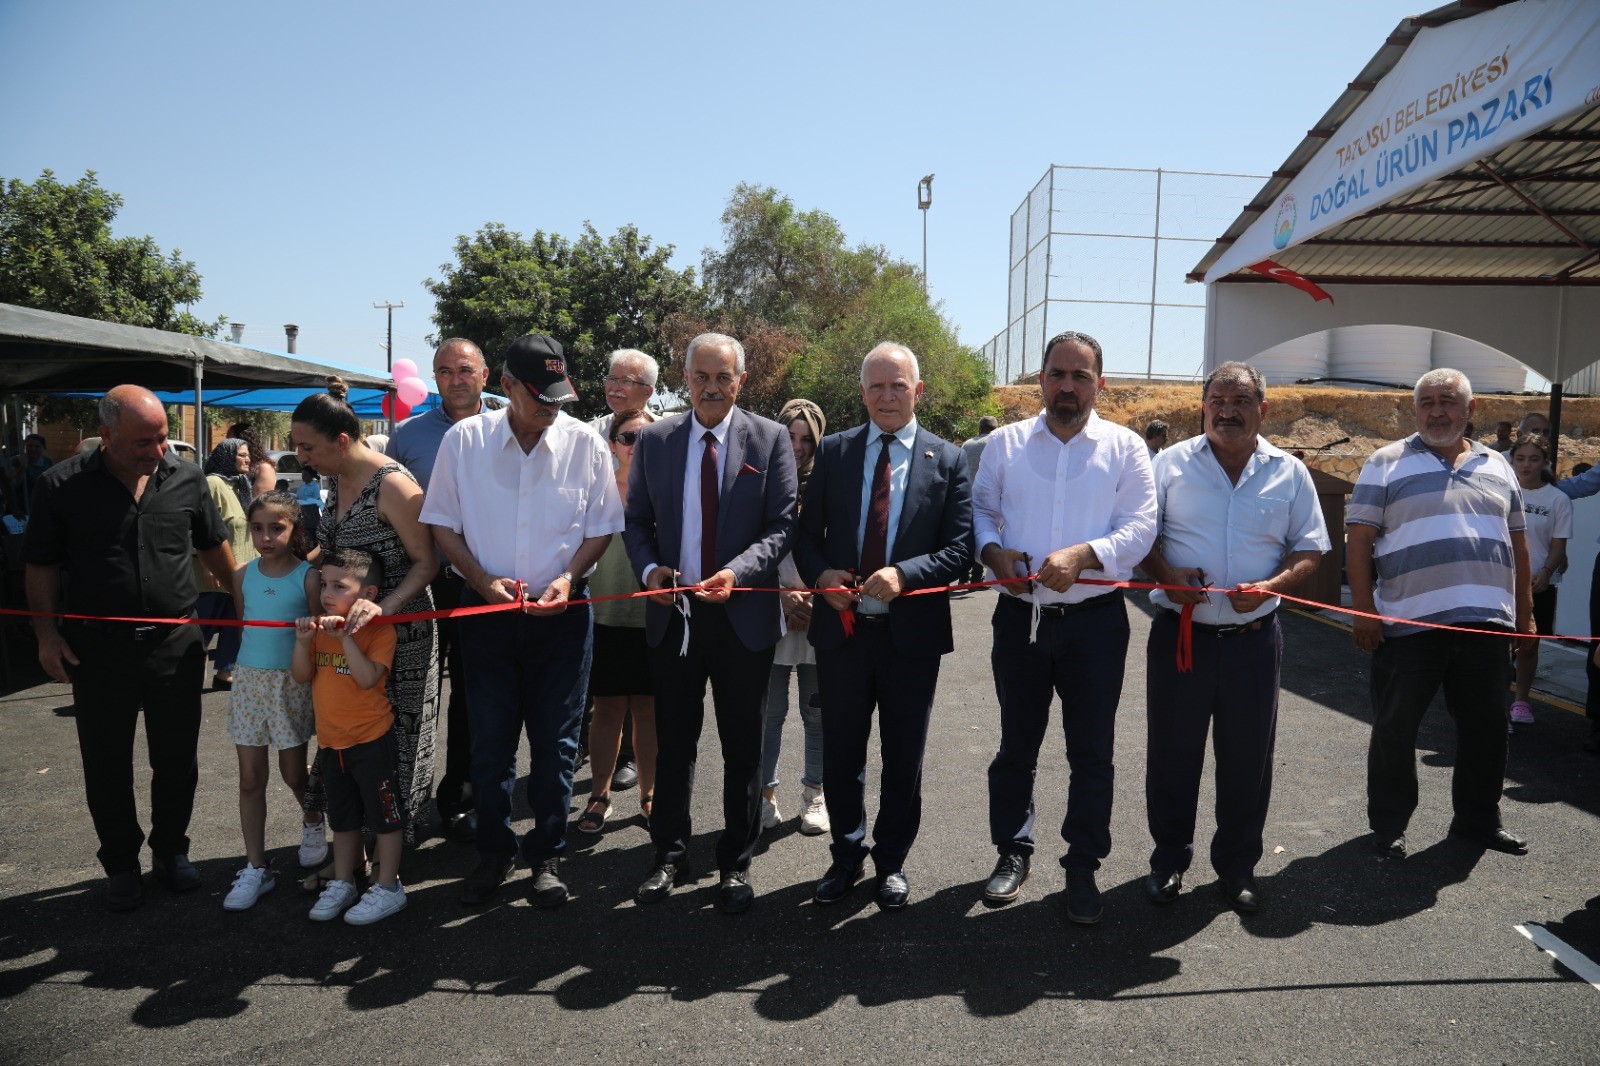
x: 1185, y: 649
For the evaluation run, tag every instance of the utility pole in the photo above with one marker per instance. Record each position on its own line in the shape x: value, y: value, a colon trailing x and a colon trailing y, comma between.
x: 925, y: 201
x: 388, y: 351
x: 384, y: 305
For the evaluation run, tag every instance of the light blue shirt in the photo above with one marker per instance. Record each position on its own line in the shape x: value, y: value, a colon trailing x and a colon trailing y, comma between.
x: 1235, y: 533
x: 899, y: 474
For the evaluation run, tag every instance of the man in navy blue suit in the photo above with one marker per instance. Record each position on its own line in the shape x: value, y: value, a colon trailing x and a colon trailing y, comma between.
x: 711, y: 498
x: 888, y: 510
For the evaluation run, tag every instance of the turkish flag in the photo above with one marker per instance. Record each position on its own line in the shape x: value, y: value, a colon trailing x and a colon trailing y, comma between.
x: 1279, y: 272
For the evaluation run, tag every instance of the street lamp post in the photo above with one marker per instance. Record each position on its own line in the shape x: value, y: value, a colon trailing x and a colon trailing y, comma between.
x: 925, y: 201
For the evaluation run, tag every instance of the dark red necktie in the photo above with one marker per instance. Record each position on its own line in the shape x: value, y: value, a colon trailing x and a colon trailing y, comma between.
x: 875, y: 541
x: 708, y: 507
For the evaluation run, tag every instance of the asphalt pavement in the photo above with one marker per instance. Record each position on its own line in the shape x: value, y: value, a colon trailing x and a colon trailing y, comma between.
x: 1353, y: 958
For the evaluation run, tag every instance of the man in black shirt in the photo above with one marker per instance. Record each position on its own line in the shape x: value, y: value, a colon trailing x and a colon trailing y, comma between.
x: 122, y: 522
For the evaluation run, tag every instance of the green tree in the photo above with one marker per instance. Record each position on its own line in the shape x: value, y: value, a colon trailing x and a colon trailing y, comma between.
x: 57, y: 254
x: 594, y: 295
x: 794, y: 269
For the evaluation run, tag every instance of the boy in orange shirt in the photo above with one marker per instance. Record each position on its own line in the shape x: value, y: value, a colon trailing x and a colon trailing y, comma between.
x: 355, y: 732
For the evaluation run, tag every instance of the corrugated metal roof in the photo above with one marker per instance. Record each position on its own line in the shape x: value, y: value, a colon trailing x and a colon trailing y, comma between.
x: 1474, y: 225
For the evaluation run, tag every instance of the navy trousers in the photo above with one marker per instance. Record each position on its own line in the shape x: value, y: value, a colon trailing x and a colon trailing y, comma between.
x: 525, y: 674
x: 1080, y: 657
x: 1232, y: 693
x: 866, y: 673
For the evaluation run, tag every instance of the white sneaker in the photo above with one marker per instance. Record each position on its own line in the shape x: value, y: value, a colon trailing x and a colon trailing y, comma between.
x: 814, y: 818
x: 770, y: 815
x: 251, y: 884
x: 313, y: 844
x: 377, y: 904
x: 334, y: 900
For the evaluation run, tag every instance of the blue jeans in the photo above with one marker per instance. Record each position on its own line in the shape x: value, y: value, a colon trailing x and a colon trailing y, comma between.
x: 530, y: 674
x: 219, y: 605
x: 777, y: 709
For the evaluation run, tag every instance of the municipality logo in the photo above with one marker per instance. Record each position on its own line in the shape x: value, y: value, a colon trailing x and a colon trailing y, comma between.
x: 1283, y: 226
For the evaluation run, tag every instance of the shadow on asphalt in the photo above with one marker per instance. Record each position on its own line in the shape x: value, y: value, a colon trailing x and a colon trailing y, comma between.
x: 999, y: 962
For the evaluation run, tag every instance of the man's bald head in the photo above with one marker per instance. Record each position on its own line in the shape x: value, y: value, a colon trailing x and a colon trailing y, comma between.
x: 133, y: 430
x: 461, y: 372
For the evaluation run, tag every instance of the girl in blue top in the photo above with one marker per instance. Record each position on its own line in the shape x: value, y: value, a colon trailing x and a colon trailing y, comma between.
x: 268, y: 707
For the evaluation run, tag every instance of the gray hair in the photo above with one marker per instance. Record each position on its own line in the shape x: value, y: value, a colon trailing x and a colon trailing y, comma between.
x: 1230, y: 371
x: 886, y: 347
x: 1444, y: 375
x: 649, y: 371
x: 110, y: 411
x: 1072, y: 336
x: 715, y: 340
x: 459, y: 344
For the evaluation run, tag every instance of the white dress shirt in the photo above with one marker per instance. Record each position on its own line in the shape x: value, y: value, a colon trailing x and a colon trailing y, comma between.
x: 689, y: 554
x: 1037, y: 495
x: 1234, y: 533
x: 523, y: 515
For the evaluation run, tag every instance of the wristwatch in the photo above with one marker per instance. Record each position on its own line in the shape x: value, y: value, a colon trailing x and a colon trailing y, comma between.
x: 565, y: 575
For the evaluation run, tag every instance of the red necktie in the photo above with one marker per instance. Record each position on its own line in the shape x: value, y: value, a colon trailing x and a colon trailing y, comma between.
x: 875, y: 542
x: 708, y: 507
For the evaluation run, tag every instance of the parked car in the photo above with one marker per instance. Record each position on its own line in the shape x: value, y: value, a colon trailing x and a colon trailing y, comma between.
x: 288, y: 464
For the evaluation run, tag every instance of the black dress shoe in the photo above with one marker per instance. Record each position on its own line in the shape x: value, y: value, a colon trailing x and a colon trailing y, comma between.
x: 548, y: 888
x: 1390, y: 847
x: 1083, y: 898
x: 624, y: 777
x: 837, y: 882
x: 735, y: 895
x: 1242, y: 894
x: 661, y: 881
x: 485, y: 880
x: 1163, y: 887
x: 1005, y: 884
x: 894, y: 891
x: 176, y: 872
x: 1494, y: 839
x: 462, y: 828
x: 124, y: 891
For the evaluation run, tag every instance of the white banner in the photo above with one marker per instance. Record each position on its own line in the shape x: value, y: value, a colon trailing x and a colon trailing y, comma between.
x: 1460, y: 92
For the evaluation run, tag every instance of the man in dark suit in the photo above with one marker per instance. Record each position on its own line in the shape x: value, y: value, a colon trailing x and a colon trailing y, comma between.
x: 888, y: 510
x: 711, y: 499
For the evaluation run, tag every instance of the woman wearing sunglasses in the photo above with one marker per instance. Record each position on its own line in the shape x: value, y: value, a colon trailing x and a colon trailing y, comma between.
x: 619, y: 675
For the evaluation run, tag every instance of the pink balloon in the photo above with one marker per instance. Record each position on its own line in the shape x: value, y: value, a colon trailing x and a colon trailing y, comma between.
x: 404, y: 368
x: 412, y: 391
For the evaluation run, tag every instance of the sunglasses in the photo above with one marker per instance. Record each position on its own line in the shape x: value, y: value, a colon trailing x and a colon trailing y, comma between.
x: 630, y: 438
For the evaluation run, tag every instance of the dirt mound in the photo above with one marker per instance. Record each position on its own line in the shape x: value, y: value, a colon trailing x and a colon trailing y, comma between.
x: 1335, y: 428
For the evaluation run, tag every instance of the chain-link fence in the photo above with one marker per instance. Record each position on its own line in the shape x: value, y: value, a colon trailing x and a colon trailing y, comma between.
x: 1104, y: 250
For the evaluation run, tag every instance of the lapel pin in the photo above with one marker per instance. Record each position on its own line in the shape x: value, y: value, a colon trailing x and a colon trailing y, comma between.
x: 927, y: 455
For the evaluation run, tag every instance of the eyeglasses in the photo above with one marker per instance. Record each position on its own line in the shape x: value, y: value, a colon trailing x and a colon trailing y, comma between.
x: 630, y: 437
x: 616, y: 382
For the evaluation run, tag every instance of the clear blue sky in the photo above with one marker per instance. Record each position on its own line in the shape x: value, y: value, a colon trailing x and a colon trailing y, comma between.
x: 314, y: 157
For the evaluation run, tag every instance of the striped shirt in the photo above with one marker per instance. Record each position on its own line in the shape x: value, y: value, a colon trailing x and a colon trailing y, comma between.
x: 1443, y: 550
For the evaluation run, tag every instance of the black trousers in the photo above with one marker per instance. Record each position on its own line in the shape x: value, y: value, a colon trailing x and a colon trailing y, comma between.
x: 1474, y: 670
x: 867, y: 673
x: 453, y: 794
x: 1080, y: 658
x: 1232, y: 693
x: 1592, y: 700
x: 117, y: 676
x: 738, y: 678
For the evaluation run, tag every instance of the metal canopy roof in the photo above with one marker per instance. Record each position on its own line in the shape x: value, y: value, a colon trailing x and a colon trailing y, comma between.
x: 44, y: 351
x: 1529, y: 213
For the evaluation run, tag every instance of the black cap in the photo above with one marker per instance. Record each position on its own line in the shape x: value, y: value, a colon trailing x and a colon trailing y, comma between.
x: 539, y: 363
